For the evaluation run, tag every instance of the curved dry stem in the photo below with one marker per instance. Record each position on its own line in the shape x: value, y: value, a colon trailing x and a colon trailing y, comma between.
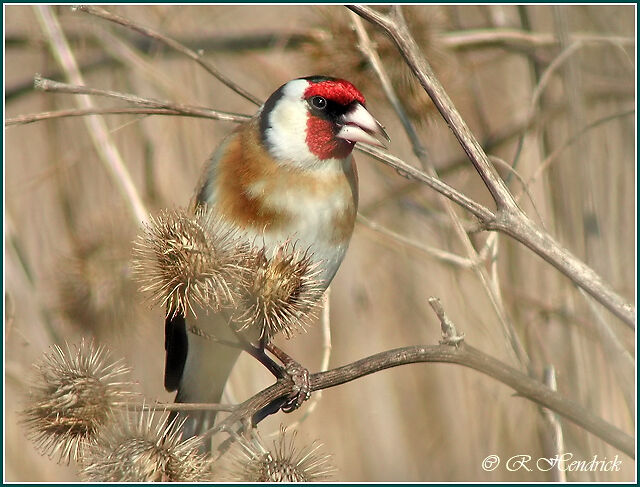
x: 464, y: 355
x: 439, y: 254
x: 551, y: 158
x: 210, y: 68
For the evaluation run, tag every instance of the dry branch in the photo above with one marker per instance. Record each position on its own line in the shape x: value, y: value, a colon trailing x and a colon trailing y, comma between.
x: 509, y: 219
x: 493, y: 292
x: 464, y: 355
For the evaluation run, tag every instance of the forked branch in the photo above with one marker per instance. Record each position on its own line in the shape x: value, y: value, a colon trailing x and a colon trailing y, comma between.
x: 509, y: 219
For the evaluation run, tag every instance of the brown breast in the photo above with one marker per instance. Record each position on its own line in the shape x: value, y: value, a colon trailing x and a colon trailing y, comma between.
x: 247, y: 166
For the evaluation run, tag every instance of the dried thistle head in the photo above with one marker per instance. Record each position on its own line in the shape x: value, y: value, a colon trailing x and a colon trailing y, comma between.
x: 250, y: 461
x: 282, y: 292
x: 185, y: 260
x: 337, y: 54
x: 92, y: 284
x: 147, y: 450
x: 71, y: 399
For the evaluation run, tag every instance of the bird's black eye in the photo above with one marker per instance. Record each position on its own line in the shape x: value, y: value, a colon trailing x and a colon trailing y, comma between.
x: 318, y: 102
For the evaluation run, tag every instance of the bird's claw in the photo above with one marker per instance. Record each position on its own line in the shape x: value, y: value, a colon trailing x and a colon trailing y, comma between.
x: 301, y: 386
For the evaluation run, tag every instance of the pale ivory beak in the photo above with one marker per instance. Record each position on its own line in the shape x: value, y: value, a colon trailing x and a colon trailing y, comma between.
x: 360, y: 126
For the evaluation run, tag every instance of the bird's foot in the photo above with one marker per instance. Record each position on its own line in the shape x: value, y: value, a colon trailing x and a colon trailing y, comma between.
x: 299, y: 375
x: 290, y: 369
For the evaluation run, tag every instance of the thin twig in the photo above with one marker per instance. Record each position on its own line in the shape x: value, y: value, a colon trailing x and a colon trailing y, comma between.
x: 525, y: 189
x: 518, y: 38
x: 439, y: 254
x: 551, y: 158
x: 121, y: 50
x: 96, y: 126
x: 450, y: 335
x: 79, y: 112
x: 325, y: 328
x: 174, y: 406
x: 210, y: 68
x: 408, y: 171
x: 545, y: 77
x: 369, y: 51
x: 619, y: 359
x: 183, y: 109
x: 554, y: 444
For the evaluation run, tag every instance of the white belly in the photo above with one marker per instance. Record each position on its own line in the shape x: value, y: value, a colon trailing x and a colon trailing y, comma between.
x: 311, y: 229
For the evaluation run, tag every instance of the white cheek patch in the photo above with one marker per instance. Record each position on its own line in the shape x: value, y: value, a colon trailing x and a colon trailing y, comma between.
x: 286, y: 136
x: 287, y: 132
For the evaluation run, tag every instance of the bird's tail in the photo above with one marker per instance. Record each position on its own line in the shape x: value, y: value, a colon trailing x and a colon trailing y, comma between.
x: 206, y: 365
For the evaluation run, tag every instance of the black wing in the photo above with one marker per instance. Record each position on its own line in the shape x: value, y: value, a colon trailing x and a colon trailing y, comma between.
x: 176, y: 345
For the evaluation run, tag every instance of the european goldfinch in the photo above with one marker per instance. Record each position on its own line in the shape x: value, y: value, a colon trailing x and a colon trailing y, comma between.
x: 287, y: 175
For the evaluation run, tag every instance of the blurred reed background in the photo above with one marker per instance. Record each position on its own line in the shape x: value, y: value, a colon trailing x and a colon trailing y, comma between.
x: 68, y: 232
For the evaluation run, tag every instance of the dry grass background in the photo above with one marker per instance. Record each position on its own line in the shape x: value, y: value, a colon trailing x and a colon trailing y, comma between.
x: 68, y: 232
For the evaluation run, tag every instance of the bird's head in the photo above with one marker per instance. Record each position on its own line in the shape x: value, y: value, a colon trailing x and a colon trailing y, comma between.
x: 314, y: 119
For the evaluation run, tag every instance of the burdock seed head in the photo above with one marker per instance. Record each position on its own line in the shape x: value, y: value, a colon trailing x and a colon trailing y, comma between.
x: 336, y: 54
x: 282, y: 293
x: 185, y: 260
x: 250, y: 461
x: 145, y: 450
x: 71, y: 398
x: 92, y: 283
